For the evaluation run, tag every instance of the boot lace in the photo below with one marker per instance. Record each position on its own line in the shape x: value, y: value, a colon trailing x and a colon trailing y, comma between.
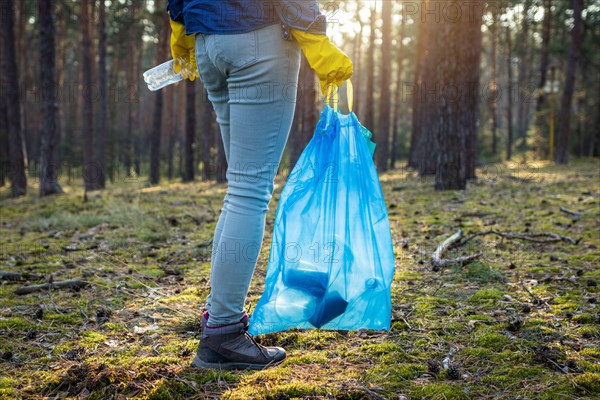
x: 261, y: 348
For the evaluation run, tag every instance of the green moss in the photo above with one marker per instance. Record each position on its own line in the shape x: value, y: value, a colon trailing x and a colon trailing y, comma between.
x: 493, y: 341
x: 585, y: 319
x: 16, y: 323
x: 312, y: 357
x: 480, y: 271
x: 69, y: 319
x: 170, y: 389
x: 380, y: 348
x: 477, y: 352
x: 114, y: 327
x: 295, y: 390
x: 589, y: 366
x: 487, y: 294
x: 590, y: 352
x: 589, y: 332
x: 588, y: 382
x: 439, y: 391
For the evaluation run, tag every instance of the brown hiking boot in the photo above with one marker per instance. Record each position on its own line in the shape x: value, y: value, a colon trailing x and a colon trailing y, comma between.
x: 231, y: 347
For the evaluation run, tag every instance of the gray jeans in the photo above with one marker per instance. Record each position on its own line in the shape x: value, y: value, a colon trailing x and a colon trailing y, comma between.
x: 251, y: 80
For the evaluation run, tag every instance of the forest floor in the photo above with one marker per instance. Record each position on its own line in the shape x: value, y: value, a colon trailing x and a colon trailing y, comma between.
x: 521, y: 322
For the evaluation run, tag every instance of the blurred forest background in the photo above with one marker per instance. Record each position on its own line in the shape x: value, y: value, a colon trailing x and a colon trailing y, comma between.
x: 526, y: 76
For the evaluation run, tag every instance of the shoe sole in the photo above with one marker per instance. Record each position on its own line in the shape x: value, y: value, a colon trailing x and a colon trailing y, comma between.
x: 198, y: 363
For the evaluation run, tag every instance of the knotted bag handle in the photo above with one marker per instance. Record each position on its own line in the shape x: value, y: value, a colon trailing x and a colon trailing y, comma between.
x: 333, y: 95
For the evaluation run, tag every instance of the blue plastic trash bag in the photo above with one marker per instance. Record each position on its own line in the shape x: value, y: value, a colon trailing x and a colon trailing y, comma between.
x: 331, y: 261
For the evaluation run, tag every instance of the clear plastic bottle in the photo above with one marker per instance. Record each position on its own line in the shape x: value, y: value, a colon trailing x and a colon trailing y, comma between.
x: 163, y: 75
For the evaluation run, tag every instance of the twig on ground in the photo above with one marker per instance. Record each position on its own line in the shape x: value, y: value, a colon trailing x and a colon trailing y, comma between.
x: 15, y: 276
x: 577, y: 213
x: 439, y: 262
x: 371, y: 393
x: 536, y: 299
x: 529, y: 236
x: 73, y: 283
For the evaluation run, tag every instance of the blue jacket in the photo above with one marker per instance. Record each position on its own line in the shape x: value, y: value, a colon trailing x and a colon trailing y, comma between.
x: 240, y: 16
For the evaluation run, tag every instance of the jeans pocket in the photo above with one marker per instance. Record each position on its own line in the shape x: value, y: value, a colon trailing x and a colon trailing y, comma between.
x: 238, y: 50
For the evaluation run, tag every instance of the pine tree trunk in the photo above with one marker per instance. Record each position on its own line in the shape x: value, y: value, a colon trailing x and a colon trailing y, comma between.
x: 369, y: 116
x: 127, y: 142
x: 48, y: 163
x: 207, y: 139
x: 137, y: 112
x: 60, y: 66
x: 4, y: 161
x: 190, y: 130
x: 562, y: 140
x: 156, y: 129
x: 522, y: 79
x: 398, y: 95
x: 221, y: 161
x: 414, y: 160
x: 545, y: 57
x: 509, y: 116
x: 357, y: 60
x: 103, y: 89
x: 469, y: 80
x: 17, y: 153
x: 382, y: 156
x: 90, y: 168
x: 170, y: 128
x: 494, y: 81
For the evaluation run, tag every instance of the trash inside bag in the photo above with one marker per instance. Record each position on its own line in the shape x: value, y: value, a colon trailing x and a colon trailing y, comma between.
x: 331, y: 261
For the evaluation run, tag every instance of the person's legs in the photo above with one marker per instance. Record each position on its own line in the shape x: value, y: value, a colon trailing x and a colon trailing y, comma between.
x: 255, y: 113
x: 215, y: 83
x: 262, y: 76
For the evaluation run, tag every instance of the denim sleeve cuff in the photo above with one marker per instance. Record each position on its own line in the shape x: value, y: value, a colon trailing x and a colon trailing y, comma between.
x: 174, y: 8
x: 302, y: 15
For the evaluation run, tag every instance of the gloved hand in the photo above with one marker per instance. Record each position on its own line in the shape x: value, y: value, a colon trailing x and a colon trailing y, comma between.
x: 330, y: 63
x: 183, y: 50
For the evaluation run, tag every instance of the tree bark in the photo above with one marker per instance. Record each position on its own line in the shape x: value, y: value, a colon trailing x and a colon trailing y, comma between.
x: 398, y: 96
x: 4, y: 161
x: 382, y: 156
x: 453, y: 64
x: 509, y: 116
x: 16, y: 143
x: 60, y: 67
x: 190, y: 130
x: 207, y: 139
x: 562, y: 140
x: 48, y: 163
x: 127, y: 141
x: 156, y: 129
x: 522, y: 79
x: 357, y: 60
x: 545, y: 56
x: 90, y: 168
x: 494, y: 81
x: 416, y: 142
x: 369, y: 116
x: 170, y: 128
x: 103, y: 89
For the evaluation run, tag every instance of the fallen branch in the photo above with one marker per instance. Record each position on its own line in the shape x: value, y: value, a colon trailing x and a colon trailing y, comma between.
x: 439, y: 262
x: 578, y: 214
x: 529, y: 236
x: 536, y: 299
x: 73, y: 283
x: 15, y: 276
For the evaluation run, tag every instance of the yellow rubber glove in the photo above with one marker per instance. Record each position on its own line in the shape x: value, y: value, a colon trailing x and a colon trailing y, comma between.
x: 183, y: 50
x: 330, y: 63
